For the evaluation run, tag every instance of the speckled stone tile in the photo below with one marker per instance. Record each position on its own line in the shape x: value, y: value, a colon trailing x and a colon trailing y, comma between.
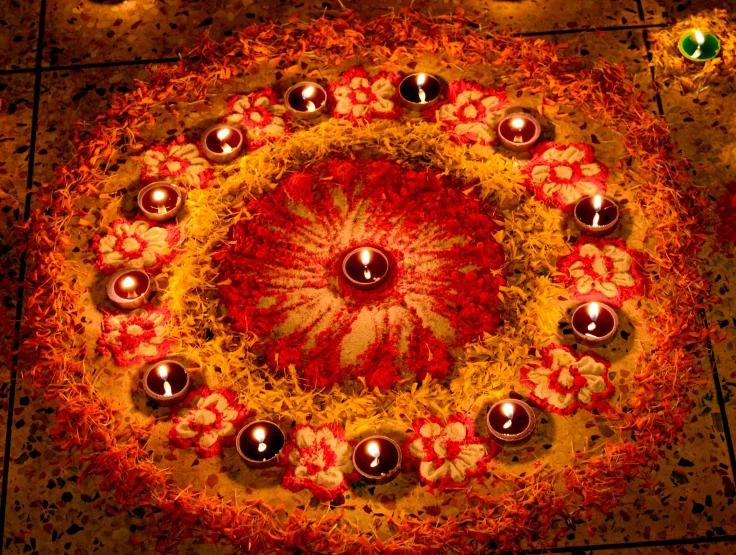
x: 16, y: 95
x: 704, y: 548
x: 104, y: 31
x: 19, y: 22
x: 666, y: 11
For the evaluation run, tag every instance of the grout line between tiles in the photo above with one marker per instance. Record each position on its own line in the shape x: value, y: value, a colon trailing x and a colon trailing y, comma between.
x: 21, y: 275
x: 581, y: 550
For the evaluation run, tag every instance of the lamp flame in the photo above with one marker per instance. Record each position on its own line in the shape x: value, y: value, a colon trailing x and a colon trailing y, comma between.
x: 597, y: 202
x: 699, y: 37
x: 593, y: 312
x: 259, y: 434
x: 421, y: 79
x: 375, y: 452
x: 128, y: 282
x: 308, y: 92
x: 159, y: 195
x: 518, y: 123
x: 223, y: 133
x: 508, y: 411
x: 365, y: 257
x: 163, y: 371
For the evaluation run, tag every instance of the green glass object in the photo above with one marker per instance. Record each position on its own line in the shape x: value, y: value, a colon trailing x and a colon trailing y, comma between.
x: 699, y: 53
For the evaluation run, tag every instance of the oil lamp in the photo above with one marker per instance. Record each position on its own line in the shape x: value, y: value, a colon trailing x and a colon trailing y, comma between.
x: 419, y: 91
x: 129, y: 288
x: 260, y: 443
x: 698, y: 46
x: 594, y: 324
x: 366, y: 267
x: 306, y: 100
x: 519, y: 132
x: 160, y: 201
x: 377, y: 460
x: 511, y: 422
x: 596, y: 216
x: 166, y: 382
x: 222, y: 143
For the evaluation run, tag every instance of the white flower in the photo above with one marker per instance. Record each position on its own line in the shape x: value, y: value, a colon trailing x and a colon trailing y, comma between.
x: 262, y: 117
x: 456, y: 465
x: 608, y: 280
x: 557, y: 384
x: 202, y: 415
x: 359, y: 96
x: 135, y: 242
x: 321, y: 457
x: 182, y: 161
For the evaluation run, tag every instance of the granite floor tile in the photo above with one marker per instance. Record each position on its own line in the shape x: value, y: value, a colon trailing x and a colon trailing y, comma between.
x: 19, y: 22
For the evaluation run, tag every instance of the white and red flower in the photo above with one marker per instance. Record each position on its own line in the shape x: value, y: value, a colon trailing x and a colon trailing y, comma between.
x: 137, y: 336
x: 563, y: 174
x: 135, y: 244
x: 261, y: 115
x: 177, y: 161
x: 603, y: 270
x: 319, y: 459
x: 356, y: 96
x: 211, y: 421
x: 470, y: 112
x: 567, y: 381
x: 447, y: 455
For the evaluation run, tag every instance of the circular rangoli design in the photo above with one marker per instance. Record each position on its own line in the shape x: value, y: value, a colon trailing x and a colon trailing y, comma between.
x: 485, y: 271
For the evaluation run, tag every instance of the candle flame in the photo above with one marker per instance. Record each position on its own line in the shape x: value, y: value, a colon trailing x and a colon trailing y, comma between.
x: 597, y: 202
x: 518, y: 123
x: 223, y: 133
x: 128, y: 282
x: 374, y: 451
x: 365, y: 257
x: 163, y: 371
x: 308, y: 92
x: 421, y: 79
x: 699, y: 37
x: 159, y: 195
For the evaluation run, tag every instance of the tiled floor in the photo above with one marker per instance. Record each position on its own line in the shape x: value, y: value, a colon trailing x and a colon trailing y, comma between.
x: 92, y: 48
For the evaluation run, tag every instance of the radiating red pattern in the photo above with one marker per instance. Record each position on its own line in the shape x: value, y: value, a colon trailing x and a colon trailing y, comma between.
x: 281, y: 277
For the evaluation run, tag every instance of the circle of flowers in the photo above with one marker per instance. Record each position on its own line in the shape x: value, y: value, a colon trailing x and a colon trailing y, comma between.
x: 470, y: 112
x: 567, y: 381
x: 262, y: 116
x: 358, y: 97
x: 603, y: 270
x: 208, y: 420
x: 135, y: 244
x: 136, y: 337
x: 561, y: 175
x: 177, y: 161
x: 447, y: 454
x: 320, y: 460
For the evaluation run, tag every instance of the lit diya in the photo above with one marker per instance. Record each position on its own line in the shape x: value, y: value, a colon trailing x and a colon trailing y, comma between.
x: 519, y: 132
x: 166, y: 382
x: 419, y: 91
x: 511, y: 422
x: 377, y: 460
x: 365, y: 267
x: 260, y: 444
x: 129, y: 288
x: 160, y: 201
x: 596, y: 215
x: 222, y: 143
x: 594, y: 324
x: 698, y: 46
x: 306, y: 100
